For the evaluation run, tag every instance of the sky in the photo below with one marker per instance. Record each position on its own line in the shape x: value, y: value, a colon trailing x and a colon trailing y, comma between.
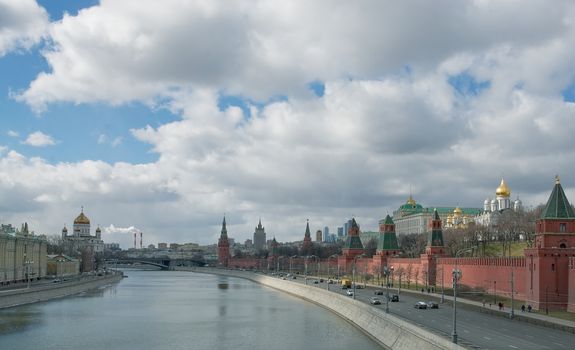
x: 162, y: 116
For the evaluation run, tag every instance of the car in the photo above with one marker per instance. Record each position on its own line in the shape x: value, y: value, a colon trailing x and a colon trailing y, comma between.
x: 56, y: 281
x: 432, y: 305
x: 394, y: 298
x: 283, y: 278
x: 294, y: 277
x: 375, y: 301
x: 329, y: 281
x: 349, y: 292
x: 420, y: 305
x: 315, y: 282
x: 358, y: 286
x: 378, y: 292
x: 321, y: 280
x: 343, y: 286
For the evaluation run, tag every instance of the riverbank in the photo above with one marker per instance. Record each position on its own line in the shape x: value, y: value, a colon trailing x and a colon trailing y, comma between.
x: 389, y: 331
x: 10, y: 298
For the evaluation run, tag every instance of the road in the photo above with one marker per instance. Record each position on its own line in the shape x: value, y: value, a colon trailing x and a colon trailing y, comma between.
x: 475, y: 330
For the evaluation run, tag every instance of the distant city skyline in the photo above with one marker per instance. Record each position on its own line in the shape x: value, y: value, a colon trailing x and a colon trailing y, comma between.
x: 160, y: 117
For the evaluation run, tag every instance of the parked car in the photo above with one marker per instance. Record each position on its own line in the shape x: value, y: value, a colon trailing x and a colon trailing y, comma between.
x: 420, y: 305
x: 375, y: 301
x: 321, y: 280
x: 432, y: 305
x: 329, y: 281
x: 315, y: 282
x: 378, y: 292
x: 349, y: 292
x: 394, y: 298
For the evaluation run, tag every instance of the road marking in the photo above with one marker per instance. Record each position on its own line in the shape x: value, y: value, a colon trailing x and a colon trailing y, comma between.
x: 487, y: 338
x: 514, y: 347
x: 466, y: 331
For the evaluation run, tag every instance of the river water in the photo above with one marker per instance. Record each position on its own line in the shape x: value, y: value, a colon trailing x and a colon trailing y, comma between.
x: 178, y: 310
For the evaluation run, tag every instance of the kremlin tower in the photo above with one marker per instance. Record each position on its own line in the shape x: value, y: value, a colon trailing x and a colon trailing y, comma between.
x: 223, y: 246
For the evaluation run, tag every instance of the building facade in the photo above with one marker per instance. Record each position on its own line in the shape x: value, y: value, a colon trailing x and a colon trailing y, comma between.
x: 260, y: 237
x: 412, y: 217
x: 22, y: 255
x: 81, y: 238
x: 493, y: 208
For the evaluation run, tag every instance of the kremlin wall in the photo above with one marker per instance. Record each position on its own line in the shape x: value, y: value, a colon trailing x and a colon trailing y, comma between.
x: 544, y: 277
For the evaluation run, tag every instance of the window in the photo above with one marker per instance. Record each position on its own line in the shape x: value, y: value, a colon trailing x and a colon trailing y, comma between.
x: 562, y: 227
x: 552, y: 267
x: 562, y: 245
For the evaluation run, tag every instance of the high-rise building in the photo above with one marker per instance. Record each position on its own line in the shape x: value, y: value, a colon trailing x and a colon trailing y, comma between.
x: 325, y: 234
x: 340, y: 231
x: 345, y: 228
x: 318, y: 237
x: 260, y: 237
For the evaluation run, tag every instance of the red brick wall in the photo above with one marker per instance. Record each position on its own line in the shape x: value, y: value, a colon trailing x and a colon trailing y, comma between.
x: 492, y: 275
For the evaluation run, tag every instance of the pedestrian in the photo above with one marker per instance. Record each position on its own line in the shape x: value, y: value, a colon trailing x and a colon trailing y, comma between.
x: 523, y: 308
x: 421, y: 290
x: 529, y: 307
x: 428, y: 290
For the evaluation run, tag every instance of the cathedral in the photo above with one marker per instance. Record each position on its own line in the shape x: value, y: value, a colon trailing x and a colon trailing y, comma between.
x: 492, y: 208
x: 81, y: 237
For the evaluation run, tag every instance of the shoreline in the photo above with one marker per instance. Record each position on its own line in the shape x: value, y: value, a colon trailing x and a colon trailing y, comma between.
x: 17, y: 297
x: 387, y: 330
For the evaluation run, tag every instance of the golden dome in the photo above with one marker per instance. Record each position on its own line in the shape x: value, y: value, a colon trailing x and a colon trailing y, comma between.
x: 457, y: 211
x: 82, y: 219
x: 410, y: 200
x: 503, y: 190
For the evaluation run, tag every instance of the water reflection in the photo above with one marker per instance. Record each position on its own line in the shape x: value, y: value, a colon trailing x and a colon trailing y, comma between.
x: 178, y: 310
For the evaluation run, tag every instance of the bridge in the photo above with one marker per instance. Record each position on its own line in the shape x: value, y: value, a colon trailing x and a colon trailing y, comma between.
x: 164, y: 263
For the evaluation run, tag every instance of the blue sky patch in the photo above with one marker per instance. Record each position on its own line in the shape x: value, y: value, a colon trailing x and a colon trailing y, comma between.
x: 465, y: 84
x: 317, y: 87
x: 569, y: 93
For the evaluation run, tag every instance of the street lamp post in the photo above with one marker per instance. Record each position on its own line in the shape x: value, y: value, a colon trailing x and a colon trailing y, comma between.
x: 456, y: 274
x: 305, y: 269
x: 353, y: 272
x: 386, y: 272
x: 28, y: 262
x: 512, y: 314
x: 442, y: 289
x: 328, y: 275
x: 290, y: 263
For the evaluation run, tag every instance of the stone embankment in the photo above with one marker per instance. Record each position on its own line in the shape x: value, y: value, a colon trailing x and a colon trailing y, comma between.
x: 389, y: 331
x: 10, y: 298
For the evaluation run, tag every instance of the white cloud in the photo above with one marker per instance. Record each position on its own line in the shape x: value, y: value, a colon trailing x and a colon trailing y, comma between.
x: 389, y: 119
x: 104, y: 139
x: 142, y: 49
x: 39, y: 139
x: 22, y: 24
x: 12, y: 133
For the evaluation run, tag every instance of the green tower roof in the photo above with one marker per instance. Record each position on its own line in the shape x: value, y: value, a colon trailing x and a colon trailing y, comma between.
x: 558, y: 206
x: 388, y: 220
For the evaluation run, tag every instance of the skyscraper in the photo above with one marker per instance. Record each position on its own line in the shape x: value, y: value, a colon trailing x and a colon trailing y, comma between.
x: 259, y: 237
x: 325, y: 234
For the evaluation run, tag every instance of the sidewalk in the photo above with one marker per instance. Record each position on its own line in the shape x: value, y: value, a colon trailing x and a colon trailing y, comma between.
x: 531, y: 317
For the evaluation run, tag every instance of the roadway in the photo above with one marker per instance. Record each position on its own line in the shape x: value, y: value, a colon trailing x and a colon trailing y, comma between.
x: 475, y: 330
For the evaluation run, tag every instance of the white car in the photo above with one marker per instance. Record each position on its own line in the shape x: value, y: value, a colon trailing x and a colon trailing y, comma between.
x: 349, y: 292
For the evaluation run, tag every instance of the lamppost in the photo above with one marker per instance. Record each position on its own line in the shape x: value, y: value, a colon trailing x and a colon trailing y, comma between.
x: 495, y: 292
x: 365, y: 274
x: 386, y: 273
x: 27, y: 263
x: 442, y: 289
x: 328, y: 275
x: 456, y: 275
x: 353, y: 273
x: 290, y: 263
x: 305, y: 262
x: 512, y: 314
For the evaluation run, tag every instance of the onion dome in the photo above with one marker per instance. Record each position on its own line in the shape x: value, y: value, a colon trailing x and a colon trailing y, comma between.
x: 82, y: 219
x: 411, y: 201
x: 457, y: 211
x: 64, y: 229
x: 503, y: 190
x: 98, y: 229
x: 486, y: 202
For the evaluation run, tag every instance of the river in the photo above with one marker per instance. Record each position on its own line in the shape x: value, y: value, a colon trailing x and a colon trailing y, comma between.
x: 178, y: 310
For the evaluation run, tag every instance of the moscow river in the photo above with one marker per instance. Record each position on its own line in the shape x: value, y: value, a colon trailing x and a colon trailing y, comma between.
x: 178, y: 310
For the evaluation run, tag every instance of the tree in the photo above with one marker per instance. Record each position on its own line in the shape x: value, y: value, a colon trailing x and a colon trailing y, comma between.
x: 413, y: 244
x: 370, y: 247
